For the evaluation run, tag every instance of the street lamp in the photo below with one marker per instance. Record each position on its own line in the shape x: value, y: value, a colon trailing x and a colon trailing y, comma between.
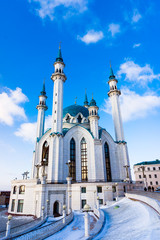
x: 69, y: 167
x: 86, y: 209
x: 8, y: 228
x: 116, y: 184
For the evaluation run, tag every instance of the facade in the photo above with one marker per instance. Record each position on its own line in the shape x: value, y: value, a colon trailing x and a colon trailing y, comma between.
x: 148, y: 172
x: 96, y: 160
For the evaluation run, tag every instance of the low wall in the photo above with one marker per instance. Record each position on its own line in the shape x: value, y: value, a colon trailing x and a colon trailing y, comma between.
x: 99, y: 224
x: 155, y: 204
x: 47, y: 230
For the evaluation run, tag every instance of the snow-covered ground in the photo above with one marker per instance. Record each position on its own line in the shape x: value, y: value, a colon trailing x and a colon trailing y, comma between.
x: 131, y: 221
x: 75, y: 230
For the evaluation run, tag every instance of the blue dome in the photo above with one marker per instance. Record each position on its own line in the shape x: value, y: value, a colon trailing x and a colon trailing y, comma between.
x: 73, y: 110
x: 92, y: 102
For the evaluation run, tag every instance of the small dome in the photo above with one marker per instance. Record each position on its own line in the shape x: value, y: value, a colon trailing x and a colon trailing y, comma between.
x: 73, y: 110
x: 92, y: 102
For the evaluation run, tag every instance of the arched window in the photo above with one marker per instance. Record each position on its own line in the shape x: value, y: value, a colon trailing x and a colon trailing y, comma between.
x: 60, y: 70
x: 68, y: 119
x: 14, y: 189
x: 84, y: 167
x: 79, y: 119
x: 45, y: 154
x: 73, y: 159
x: 107, y: 160
x: 22, y: 189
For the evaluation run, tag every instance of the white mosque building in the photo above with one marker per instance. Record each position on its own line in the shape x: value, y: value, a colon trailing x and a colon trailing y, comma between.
x: 97, y: 165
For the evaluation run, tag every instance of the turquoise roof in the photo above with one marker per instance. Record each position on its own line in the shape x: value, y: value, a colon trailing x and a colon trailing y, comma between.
x: 73, y: 110
x: 112, y: 76
x: 43, y: 92
x: 92, y: 102
x: 59, y: 57
x: 157, y: 161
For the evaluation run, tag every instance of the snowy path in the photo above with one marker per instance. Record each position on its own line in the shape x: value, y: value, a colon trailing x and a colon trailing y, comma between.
x: 132, y: 221
x: 75, y: 230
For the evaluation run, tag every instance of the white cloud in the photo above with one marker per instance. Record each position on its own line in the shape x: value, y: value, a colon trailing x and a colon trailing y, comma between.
x: 27, y: 131
x: 9, y: 106
x: 114, y: 29
x: 136, y: 16
x: 46, y: 8
x: 136, y: 45
x: 137, y: 74
x: 135, y: 106
x: 91, y: 37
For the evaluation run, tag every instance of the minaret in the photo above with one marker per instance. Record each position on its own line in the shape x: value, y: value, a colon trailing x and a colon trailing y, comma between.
x: 116, y: 113
x: 114, y: 94
x: 93, y: 118
x: 86, y: 100
x: 41, y: 112
x: 58, y: 78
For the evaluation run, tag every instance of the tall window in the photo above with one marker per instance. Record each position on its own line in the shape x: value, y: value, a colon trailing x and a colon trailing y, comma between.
x: 20, y: 205
x: 13, y: 205
x: 84, y: 167
x: 107, y: 160
x: 45, y: 153
x: 73, y: 159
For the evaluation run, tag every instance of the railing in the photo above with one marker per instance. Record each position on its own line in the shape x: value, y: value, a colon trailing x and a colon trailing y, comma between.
x: 21, y: 227
x: 45, y: 231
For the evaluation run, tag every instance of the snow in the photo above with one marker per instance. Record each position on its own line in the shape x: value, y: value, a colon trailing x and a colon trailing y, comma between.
x: 131, y: 221
x: 75, y: 230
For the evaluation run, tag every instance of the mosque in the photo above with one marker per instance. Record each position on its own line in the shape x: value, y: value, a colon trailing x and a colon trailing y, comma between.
x: 76, y: 161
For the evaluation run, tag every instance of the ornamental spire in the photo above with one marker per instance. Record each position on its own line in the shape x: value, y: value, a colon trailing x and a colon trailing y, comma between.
x: 112, y: 76
x: 85, y: 99
x: 43, y: 92
x: 59, y: 57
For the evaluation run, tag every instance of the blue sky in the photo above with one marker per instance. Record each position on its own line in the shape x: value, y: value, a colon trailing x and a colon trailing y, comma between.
x: 92, y: 33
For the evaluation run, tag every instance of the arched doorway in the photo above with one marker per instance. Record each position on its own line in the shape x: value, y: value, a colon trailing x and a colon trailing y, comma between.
x: 56, y: 209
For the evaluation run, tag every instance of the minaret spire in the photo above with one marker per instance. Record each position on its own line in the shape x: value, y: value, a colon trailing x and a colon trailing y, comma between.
x: 59, y: 56
x: 43, y: 92
x: 86, y: 100
x: 112, y: 76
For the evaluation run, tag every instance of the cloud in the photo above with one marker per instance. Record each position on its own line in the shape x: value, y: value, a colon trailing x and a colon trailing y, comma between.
x: 136, y: 16
x: 27, y: 131
x: 9, y: 106
x: 91, y: 37
x: 137, y: 74
x: 134, y: 106
x: 136, y: 45
x: 114, y: 29
x: 47, y: 8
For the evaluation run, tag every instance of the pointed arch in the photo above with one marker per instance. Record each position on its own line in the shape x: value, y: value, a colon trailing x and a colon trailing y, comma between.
x: 84, y: 162
x: 107, y: 160
x: 73, y: 158
x: 45, y: 153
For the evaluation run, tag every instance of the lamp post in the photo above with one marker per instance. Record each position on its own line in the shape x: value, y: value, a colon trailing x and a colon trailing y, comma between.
x: 86, y: 209
x: 69, y: 179
x: 64, y: 213
x: 43, y: 212
x: 8, y: 228
x: 47, y: 201
x: 144, y: 178
x: 116, y: 184
x: 98, y: 202
x: 127, y: 172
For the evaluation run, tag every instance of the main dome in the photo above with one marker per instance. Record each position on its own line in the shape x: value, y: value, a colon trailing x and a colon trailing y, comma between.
x: 73, y: 110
